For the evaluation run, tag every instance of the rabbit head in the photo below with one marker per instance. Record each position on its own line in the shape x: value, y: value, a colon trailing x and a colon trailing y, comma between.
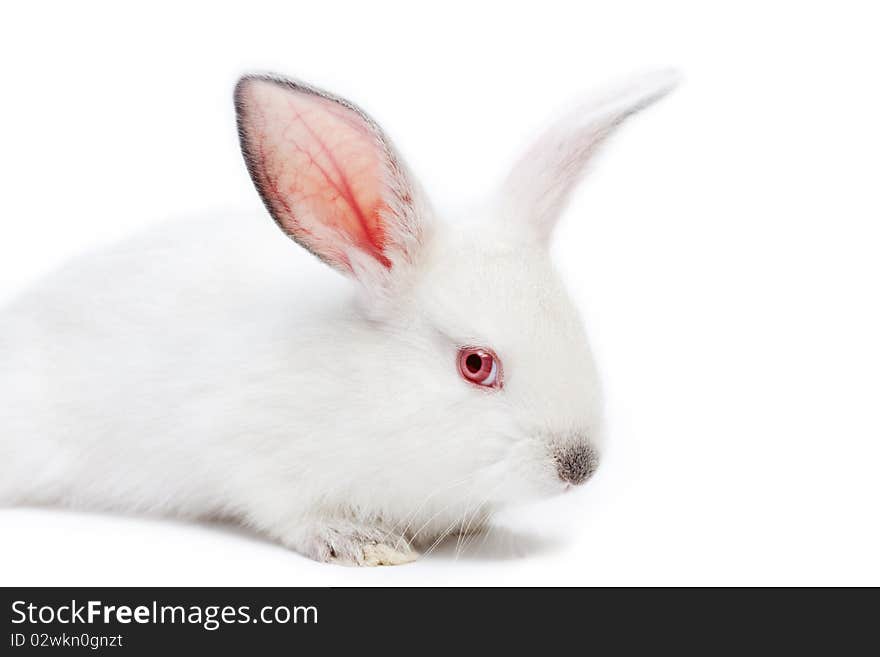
x: 480, y: 362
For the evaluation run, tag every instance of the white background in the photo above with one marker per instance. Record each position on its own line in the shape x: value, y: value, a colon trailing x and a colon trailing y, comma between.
x: 724, y: 251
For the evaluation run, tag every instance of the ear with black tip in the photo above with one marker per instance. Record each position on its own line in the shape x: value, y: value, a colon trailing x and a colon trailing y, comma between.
x: 328, y: 176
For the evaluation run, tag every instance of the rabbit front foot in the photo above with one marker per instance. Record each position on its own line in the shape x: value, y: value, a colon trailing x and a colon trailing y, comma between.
x: 352, y: 544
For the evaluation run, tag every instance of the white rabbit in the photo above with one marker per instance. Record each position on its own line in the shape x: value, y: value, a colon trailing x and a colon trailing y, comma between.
x: 204, y: 369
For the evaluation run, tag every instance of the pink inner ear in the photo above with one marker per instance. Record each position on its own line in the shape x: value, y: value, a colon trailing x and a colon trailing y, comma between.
x: 320, y: 168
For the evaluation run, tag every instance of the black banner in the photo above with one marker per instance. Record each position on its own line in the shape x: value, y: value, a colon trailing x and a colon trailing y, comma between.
x: 241, y: 620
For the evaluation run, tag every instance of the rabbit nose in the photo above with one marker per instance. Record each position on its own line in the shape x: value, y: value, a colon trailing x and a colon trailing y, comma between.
x: 576, y: 463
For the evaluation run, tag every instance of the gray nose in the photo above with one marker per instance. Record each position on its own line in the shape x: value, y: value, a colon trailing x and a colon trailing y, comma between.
x: 576, y: 463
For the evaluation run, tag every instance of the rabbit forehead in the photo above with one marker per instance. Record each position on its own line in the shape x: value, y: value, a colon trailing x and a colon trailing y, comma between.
x: 481, y: 289
x: 479, y: 285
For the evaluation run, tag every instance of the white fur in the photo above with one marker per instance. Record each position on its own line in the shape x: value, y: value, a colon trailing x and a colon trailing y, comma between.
x: 212, y: 368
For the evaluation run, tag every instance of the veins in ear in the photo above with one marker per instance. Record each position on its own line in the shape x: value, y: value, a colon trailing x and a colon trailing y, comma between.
x: 321, y: 174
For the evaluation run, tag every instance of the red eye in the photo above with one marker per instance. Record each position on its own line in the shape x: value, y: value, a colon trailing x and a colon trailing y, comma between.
x: 480, y: 366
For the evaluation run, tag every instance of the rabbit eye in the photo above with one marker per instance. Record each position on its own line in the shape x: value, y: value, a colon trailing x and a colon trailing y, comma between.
x: 480, y: 366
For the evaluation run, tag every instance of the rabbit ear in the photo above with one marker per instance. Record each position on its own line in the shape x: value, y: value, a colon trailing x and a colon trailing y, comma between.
x: 538, y: 187
x: 327, y: 175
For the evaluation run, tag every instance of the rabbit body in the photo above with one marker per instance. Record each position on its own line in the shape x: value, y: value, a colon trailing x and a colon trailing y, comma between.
x: 200, y: 376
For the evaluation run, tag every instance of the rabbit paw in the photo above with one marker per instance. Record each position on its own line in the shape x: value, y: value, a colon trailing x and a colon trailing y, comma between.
x: 351, y: 544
